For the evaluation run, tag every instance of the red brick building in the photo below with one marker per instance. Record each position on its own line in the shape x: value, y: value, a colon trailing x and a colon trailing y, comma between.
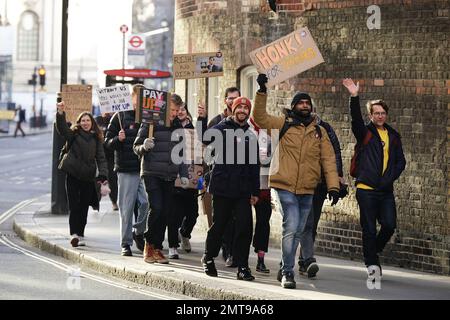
x: 404, y: 62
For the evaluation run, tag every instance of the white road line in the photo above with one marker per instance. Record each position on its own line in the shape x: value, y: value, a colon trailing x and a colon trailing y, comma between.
x: 66, y: 268
x: 9, y: 213
x: 7, y: 156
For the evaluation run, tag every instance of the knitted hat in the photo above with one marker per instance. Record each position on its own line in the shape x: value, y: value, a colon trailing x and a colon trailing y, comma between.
x: 300, y: 96
x: 239, y: 101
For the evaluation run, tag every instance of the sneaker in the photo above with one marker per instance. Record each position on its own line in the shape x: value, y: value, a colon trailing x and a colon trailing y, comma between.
x: 159, y: 257
x: 288, y: 281
x: 74, y: 241
x: 81, y: 242
x: 308, y: 267
x: 185, y: 243
x: 373, y: 272
x: 230, y: 263
x: 173, y: 253
x: 208, y: 266
x: 245, y: 274
x: 139, y: 240
x: 280, y: 275
x: 126, y: 251
x: 261, y: 267
x: 149, y: 253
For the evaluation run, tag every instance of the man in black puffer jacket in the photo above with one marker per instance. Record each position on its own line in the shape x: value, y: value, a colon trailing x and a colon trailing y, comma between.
x: 380, y: 162
x: 159, y: 173
x: 120, y: 136
x: 234, y: 186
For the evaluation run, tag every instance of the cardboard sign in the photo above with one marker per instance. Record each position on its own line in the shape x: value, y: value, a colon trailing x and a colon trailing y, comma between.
x: 287, y: 57
x: 115, y: 99
x: 198, y: 65
x: 153, y: 107
x: 78, y: 99
x: 7, y: 114
x: 192, y: 153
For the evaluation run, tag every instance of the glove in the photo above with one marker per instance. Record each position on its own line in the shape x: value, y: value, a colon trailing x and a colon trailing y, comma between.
x: 334, y: 196
x: 262, y: 80
x: 184, y: 182
x: 343, y: 190
x: 149, y: 144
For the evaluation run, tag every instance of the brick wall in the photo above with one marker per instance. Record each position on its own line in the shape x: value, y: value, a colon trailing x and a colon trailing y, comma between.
x: 405, y: 62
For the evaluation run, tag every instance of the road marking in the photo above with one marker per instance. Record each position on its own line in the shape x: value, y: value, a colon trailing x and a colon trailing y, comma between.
x: 66, y: 268
x: 7, y: 156
x: 9, y: 213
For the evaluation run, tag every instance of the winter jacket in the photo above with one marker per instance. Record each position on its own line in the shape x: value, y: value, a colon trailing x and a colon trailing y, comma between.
x: 125, y: 160
x: 301, y: 156
x: 157, y: 162
x: 85, y: 153
x: 370, y: 158
x: 335, y: 143
x: 233, y: 180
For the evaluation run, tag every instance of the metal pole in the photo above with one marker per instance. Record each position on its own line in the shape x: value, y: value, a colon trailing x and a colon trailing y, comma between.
x: 123, y: 54
x: 34, y: 95
x: 59, y: 197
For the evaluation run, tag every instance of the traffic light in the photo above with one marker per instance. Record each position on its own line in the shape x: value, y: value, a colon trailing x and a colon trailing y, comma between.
x: 32, y: 81
x: 42, y: 76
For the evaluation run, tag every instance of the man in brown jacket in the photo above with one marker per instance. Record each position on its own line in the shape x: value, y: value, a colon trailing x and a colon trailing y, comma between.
x: 303, y: 152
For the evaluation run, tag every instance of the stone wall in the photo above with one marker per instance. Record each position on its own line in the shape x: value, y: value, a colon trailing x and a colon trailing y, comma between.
x: 405, y: 63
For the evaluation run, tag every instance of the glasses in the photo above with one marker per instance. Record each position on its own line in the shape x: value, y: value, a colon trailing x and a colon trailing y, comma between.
x: 379, y: 114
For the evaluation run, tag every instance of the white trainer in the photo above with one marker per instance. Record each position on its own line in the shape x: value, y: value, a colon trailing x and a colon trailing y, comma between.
x: 173, y: 253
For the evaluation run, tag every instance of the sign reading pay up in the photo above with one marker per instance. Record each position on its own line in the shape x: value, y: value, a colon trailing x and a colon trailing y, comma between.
x: 287, y: 57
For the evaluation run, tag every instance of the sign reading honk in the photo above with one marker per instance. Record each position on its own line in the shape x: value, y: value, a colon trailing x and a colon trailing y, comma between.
x: 287, y: 57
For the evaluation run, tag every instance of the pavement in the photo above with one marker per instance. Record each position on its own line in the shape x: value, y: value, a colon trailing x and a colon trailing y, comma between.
x: 28, y: 131
x: 337, y: 279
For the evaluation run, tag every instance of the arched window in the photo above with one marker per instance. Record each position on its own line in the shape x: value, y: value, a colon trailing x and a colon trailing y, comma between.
x: 28, y: 37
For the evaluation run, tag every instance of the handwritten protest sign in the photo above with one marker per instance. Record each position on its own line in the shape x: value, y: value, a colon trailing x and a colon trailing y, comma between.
x: 153, y: 107
x: 287, y: 57
x: 115, y: 99
x: 198, y: 65
x: 78, y: 99
x: 193, y: 156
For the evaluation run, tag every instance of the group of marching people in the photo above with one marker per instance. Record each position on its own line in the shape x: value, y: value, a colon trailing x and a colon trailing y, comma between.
x: 301, y: 170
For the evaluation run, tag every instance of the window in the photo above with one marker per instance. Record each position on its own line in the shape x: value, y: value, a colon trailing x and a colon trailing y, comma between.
x: 28, y: 37
x: 249, y: 86
x: 214, y: 102
x: 193, y: 95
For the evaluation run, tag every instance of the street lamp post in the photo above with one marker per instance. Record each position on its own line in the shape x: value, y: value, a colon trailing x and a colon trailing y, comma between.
x: 59, y: 197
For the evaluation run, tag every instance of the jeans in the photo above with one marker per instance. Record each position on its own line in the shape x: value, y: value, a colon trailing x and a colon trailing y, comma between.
x: 160, y: 195
x: 310, y: 232
x: 224, y: 210
x: 376, y: 206
x: 295, y: 211
x: 131, y: 190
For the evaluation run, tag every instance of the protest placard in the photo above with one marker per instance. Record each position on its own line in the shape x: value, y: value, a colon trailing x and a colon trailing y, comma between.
x: 78, y: 99
x: 195, y: 172
x: 287, y: 57
x: 193, y: 157
x: 198, y: 65
x: 115, y: 99
x: 153, y: 108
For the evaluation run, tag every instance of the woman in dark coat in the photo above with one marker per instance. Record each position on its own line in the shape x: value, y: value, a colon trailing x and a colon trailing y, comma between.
x: 84, y: 156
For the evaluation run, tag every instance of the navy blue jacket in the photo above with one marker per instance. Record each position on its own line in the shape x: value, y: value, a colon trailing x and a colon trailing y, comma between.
x: 230, y: 179
x: 125, y: 160
x: 370, y: 163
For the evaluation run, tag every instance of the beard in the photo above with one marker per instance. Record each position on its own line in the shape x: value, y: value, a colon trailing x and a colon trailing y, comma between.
x: 302, y: 113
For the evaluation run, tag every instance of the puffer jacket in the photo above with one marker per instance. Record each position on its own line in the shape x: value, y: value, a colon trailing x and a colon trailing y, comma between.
x: 125, y: 160
x: 157, y: 162
x: 300, y: 156
x: 87, y: 152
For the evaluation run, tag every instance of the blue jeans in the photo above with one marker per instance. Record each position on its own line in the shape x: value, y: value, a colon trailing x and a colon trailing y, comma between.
x: 295, y: 210
x: 376, y: 206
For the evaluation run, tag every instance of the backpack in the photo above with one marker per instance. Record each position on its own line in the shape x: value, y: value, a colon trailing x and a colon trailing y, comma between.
x: 354, y: 164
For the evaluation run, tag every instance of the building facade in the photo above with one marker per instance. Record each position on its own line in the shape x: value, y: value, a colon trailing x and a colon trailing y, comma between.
x: 403, y: 60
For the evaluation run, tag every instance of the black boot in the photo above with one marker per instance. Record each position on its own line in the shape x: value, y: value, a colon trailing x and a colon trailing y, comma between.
x: 261, y: 267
